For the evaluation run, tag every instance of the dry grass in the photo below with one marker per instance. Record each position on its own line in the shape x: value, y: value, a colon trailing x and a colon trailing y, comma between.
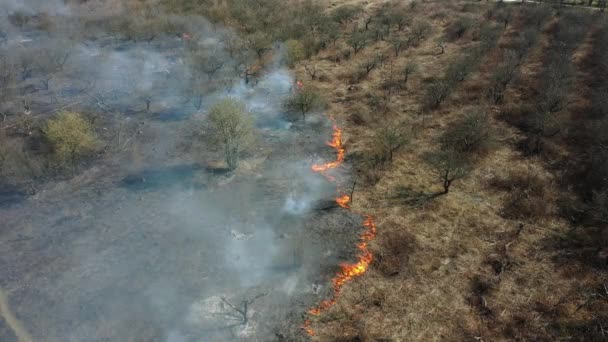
x: 470, y: 265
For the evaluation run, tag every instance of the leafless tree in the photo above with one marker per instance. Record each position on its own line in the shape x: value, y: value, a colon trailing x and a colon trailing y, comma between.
x: 240, y: 311
x: 311, y: 69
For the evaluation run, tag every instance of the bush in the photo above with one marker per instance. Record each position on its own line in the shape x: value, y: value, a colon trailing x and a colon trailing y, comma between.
x: 396, y: 246
x: 358, y: 74
x: 458, y: 28
x: 527, y: 197
x: 71, y: 136
x: 295, y: 52
x: 16, y: 163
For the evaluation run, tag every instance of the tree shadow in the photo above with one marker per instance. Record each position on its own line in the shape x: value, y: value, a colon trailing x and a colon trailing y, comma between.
x: 150, y: 179
x: 10, y: 196
x: 415, y: 198
x: 171, y: 115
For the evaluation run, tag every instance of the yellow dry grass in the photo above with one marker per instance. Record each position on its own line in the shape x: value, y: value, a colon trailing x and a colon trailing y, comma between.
x: 455, y: 237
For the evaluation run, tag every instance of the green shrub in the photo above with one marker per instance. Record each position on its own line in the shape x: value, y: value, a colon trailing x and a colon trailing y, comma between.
x: 231, y: 127
x: 295, y: 52
x: 71, y: 136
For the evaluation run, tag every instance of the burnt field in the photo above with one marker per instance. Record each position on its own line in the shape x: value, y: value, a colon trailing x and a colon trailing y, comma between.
x: 150, y: 255
x: 150, y: 236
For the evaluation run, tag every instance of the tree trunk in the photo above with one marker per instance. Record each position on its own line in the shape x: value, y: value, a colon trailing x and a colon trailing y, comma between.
x: 446, y: 186
x: 199, y: 102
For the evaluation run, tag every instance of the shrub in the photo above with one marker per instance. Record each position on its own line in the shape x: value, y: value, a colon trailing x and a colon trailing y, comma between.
x: 16, y: 163
x: 358, y: 74
x: 396, y: 246
x: 458, y: 28
x: 71, y: 136
x: 295, y: 52
x: 527, y: 197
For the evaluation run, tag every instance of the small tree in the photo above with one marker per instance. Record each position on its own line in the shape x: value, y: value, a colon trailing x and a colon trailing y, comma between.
x: 407, y: 71
x: 71, y: 136
x: 304, y: 101
x: 358, y: 40
x: 231, y: 127
x: 398, y: 44
x: 502, y: 76
x: 458, y: 28
x: 259, y: 42
x: 435, y: 94
x: 388, y: 140
x: 346, y: 13
x: 371, y: 63
x: 419, y: 31
x: 470, y: 134
x: 312, y: 70
x: 449, y: 165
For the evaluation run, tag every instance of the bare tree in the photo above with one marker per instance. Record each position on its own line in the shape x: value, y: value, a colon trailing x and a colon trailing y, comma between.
x: 503, y: 75
x: 241, y: 310
x: 311, y: 69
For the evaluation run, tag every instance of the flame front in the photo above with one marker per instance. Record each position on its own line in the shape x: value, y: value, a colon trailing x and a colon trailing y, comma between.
x: 336, y: 143
x: 365, y: 257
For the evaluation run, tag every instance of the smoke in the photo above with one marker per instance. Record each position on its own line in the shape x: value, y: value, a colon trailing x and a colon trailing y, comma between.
x: 159, y: 233
x: 33, y: 7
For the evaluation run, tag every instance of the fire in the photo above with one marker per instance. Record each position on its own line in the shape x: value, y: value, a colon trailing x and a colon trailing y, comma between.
x: 308, y: 329
x: 365, y: 257
x: 336, y: 143
x: 343, y: 201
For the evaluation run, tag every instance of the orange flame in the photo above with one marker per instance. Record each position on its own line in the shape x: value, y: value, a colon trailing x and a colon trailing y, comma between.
x: 307, y: 328
x: 343, y: 201
x: 336, y: 143
x: 365, y: 257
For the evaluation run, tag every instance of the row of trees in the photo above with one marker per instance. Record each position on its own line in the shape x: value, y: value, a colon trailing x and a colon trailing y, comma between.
x: 590, y: 174
x: 460, y: 68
